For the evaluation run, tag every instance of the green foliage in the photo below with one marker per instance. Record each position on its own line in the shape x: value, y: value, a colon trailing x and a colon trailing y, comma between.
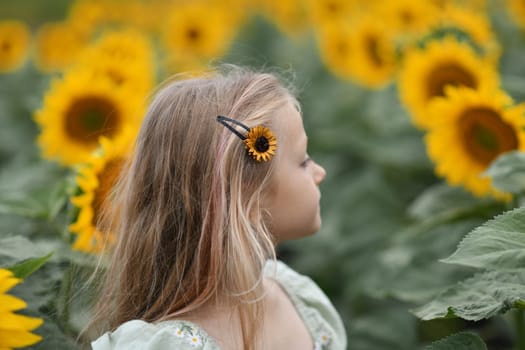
x: 388, y: 222
x: 386, y: 328
x: 448, y: 31
x: 459, y: 341
x: 482, y: 296
x: 499, y: 247
x: 27, y: 267
x: 496, y: 245
x: 14, y: 249
x: 508, y: 172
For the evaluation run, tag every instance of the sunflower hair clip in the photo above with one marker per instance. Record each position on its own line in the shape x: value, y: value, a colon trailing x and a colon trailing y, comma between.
x: 260, y: 142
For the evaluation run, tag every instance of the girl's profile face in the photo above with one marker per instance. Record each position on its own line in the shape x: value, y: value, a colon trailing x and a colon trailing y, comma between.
x: 293, y: 203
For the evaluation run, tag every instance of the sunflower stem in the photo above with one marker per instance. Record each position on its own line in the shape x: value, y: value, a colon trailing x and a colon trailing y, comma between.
x: 70, y: 215
x: 520, y: 329
x: 64, y: 299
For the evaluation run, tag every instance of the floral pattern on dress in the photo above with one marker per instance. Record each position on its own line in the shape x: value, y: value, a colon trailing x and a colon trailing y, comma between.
x: 323, y: 341
x: 190, y: 334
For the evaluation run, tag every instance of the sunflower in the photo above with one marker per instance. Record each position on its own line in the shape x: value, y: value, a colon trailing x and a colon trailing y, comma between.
x: 14, y: 329
x: 141, y: 14
x: 324, y: 12
x: 96, y: 179
x: 14, y: 44
x: 427, y: 71
x: 58, y: 45
x: 408, y: 18
x: 471, y: 128
x: 127, y: 45
x: 336, y: 47
x: 78, y: 110
x: 238, y: 11
x: 374, y: 53
x: 476, y: 5
x: 516, y: 9
x: 476, y: 25
x: 288, y: 15
x: 261, y: 143
x: 197, y: 32
x: 124, y: 58
x: 88, y: 15
x: 133, y: 77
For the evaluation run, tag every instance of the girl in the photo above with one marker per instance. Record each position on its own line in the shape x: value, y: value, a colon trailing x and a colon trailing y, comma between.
x: 220, y: 174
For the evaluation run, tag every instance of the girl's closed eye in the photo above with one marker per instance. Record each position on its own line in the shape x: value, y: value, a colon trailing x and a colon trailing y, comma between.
x: 305, y: 162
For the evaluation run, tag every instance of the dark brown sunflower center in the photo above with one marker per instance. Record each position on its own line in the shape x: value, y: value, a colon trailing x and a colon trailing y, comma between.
x: 6, y: 46
x: 372, y: 49
x: 193, y: 34
x: 333, y: 7
x: 106, y: 179
x: 262, y: 144
x: 485, y: 135
x: 448, y: 74
x: 407, y: 17
x: 90, y: 117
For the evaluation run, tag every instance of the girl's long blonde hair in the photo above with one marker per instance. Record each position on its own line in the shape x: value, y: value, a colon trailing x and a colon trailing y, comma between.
x: 190, y: 225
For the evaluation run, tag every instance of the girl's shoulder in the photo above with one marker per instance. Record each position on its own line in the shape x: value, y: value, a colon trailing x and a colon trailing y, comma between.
x: 314, y: 307
x: 138, y: 334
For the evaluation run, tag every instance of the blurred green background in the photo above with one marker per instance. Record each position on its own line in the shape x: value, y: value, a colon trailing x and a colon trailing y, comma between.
x: 387, y: 218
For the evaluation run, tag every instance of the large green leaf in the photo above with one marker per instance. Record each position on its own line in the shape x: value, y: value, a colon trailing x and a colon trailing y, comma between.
x: 508, y: 172
x: 481, y: 296
x: 496, y: 245
x: 459, y: 341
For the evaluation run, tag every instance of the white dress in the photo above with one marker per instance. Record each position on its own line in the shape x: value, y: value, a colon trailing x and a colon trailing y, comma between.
x: 316, y: 311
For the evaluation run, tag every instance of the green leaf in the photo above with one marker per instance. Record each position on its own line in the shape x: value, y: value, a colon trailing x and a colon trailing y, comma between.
x: 459, y: 341
x: 444, y: 201
x: 59, y: 196
x: 34, y: 190
x: 27, y: 267
x: 22, y: 205
x: 508, y: 172
x: 15, y: 249
x: 496, y: 245
x: 481, y: 296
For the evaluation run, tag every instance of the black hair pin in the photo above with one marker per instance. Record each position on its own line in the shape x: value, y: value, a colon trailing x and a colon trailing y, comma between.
x: 260, y: 142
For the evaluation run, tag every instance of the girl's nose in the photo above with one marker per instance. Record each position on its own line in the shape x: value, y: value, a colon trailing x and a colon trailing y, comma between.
x: 319, y: 173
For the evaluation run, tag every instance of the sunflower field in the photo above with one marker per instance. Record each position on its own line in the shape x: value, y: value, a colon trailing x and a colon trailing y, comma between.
x: 415, y: 109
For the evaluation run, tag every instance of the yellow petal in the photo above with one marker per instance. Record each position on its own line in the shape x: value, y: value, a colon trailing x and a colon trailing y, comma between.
x: 19, y: 322
x: 4, y: 273
x: 11, y: 303
x: 12, y: 339
x: 8, y: 283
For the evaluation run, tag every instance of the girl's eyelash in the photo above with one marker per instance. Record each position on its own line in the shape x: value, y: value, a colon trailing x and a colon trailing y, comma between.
x: 306, y: 161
